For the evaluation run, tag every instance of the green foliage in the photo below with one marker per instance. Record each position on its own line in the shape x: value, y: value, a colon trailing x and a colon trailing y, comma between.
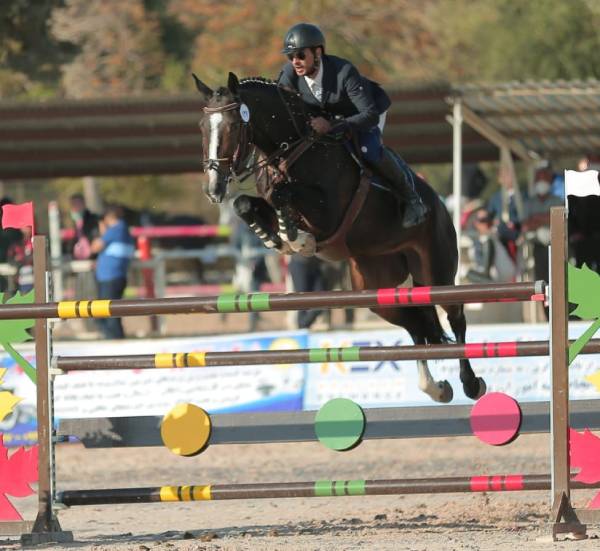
x: 17, y: 331
x: 500, y: 40
x: 584, y: 290
x: 28, y: 50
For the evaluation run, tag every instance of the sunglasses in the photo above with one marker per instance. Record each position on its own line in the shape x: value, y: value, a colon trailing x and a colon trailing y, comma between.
x: 300, y: 54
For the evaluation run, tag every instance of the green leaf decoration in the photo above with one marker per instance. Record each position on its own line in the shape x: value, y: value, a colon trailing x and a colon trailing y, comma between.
x: 584, y: 290
x: 17, y: 331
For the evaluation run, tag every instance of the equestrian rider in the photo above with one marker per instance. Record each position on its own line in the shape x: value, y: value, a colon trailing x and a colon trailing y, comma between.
x: 357, y: 103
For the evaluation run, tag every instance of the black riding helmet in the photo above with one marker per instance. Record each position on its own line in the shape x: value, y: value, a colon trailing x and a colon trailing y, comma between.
x: 303, y: 35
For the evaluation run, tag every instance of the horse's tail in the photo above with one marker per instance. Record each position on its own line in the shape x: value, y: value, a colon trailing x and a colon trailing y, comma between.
x: 444, y: 260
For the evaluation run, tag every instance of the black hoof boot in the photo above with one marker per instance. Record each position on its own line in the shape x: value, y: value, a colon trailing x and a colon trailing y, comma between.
x: 475, y: 388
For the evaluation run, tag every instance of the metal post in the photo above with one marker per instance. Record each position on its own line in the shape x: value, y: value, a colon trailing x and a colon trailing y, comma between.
x: 46, y: 527
x: 561, y: 504
x: 55, y: 248
x: 457, y: 121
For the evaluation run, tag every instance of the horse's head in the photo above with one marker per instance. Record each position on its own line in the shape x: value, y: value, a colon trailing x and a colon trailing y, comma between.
x: 223, y: 118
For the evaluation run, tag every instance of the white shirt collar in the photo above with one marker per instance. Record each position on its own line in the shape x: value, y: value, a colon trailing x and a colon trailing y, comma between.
x: 316, y: 84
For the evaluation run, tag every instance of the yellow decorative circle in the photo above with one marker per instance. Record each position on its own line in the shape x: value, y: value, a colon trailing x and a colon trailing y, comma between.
x: 185, y: 430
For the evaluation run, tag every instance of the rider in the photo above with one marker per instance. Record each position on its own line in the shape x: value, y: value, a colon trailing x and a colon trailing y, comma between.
x: 360, y: 104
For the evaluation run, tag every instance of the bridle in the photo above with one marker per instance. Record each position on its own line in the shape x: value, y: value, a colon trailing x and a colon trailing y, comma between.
x: 290, y: 152
x: 243, y: 140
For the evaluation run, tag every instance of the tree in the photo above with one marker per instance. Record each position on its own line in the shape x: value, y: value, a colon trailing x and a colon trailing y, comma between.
x: 502, y: 40
x: 118, y: 47
x: 383, y: 38
x: 29, y: 57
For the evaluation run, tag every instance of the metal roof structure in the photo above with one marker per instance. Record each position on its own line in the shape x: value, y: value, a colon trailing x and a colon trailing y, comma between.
x: 160, y: 135
x: 536, y: 119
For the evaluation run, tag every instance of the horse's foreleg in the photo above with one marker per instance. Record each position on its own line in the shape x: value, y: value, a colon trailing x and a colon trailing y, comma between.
x: 288, y: 228
x: 254, y: 211
x: 473, y: 386
x: 300, y: 241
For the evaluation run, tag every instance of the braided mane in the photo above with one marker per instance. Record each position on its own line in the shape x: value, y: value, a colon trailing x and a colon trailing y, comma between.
x: 258, y: 80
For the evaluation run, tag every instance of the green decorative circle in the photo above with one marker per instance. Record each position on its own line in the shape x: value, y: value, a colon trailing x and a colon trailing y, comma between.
x: 340, y: 424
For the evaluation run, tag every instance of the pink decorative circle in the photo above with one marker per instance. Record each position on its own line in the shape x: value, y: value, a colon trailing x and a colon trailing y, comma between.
x: 496, y: 418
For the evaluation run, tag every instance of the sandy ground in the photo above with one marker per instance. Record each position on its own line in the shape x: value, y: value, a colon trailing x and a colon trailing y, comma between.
x: 444, y: 522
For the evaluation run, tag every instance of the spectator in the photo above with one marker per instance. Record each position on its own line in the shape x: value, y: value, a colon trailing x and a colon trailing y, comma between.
x: 536, y: 220
x: 86, y: 227
x: 20, y: 253
x: 543, y: 169
x: 307, y: 275
x: 251, y: 269
x: 503, y: 206
x: 483, y: 248
x: 474, y: 182
x: 8, y: 237
x: 114, y: 248
x: 336, y: 275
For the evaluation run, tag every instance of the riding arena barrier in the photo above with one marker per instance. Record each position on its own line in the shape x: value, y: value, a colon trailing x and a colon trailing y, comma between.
x: 298, y: 426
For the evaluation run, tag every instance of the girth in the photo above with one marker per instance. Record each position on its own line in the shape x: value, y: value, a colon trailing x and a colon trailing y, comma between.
x: 335, y: 247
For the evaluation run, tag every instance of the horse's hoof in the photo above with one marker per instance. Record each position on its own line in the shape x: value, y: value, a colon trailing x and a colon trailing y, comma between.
x: 285, y: 248
x: 305, y: 244
x: 476, y: 389
x: 445, y: 392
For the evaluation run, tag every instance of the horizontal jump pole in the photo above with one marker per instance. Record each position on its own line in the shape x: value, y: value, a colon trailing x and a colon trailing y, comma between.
x: 508, y: 349
x: 277, y: 302
x: 318, y: 488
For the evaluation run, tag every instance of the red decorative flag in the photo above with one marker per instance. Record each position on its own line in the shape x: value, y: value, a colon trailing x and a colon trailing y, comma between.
x: 585, y: 455
x: 18, y: 216
x: 17, y: 473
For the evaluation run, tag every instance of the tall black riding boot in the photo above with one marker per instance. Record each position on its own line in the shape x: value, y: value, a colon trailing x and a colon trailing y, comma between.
x: 402, y: 180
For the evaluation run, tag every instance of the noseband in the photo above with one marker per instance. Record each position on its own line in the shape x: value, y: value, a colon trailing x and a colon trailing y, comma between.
x: 243, y: 141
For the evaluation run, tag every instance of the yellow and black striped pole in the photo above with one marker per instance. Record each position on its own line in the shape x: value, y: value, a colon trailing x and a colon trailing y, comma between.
x: 506, y: 349
x: 318, y: 488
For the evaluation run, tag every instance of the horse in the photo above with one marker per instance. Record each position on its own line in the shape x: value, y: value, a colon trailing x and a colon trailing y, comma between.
x: 313, y: 182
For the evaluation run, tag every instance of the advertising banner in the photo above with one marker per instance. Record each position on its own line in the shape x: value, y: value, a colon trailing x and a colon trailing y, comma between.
x: 393, y: 383
x: 125, y: 393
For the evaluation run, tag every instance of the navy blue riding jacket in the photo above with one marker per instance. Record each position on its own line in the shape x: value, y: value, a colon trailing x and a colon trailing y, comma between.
x: 346, y: 92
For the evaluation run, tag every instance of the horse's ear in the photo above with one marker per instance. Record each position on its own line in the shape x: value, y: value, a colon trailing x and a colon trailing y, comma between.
x: 233, y: 84
x: 202, y: 88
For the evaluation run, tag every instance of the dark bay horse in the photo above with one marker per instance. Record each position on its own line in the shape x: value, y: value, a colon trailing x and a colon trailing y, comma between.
x: 310, y: 182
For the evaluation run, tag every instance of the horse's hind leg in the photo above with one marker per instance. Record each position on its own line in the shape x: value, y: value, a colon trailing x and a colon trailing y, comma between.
x: 473, y: 386
x: 421, y: 323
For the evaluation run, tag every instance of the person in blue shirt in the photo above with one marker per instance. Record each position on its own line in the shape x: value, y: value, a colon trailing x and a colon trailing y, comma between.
x: 114, y: 248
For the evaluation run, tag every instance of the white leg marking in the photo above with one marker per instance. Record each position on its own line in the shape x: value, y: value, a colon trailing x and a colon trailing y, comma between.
x: 435, y: 389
